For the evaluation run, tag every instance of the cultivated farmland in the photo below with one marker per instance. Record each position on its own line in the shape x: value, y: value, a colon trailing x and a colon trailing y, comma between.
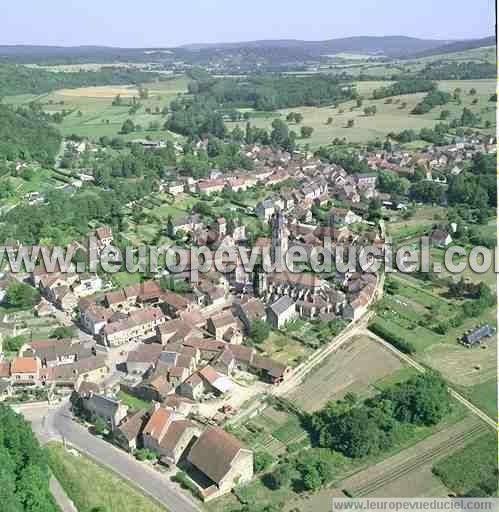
x: 93, y: 115
x: 355, y: 367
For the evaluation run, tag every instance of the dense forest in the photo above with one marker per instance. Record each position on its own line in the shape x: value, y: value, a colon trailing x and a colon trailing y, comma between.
x: 26, y: 134
x: 271, y: 92
x: 195, y: 117
x: 23, y: 80
x: 24, y: 474
x: 404, y: 87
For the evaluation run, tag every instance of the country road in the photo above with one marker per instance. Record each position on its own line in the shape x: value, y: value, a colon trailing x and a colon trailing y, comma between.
x: 404, y: 357
x: 56, y: 423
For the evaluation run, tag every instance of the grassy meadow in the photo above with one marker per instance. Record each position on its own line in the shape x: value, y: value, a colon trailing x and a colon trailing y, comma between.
x: 90, y: 486
x: 93, y: 115
x: 393, y: 117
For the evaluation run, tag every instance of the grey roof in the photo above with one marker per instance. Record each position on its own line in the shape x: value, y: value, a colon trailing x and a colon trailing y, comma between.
x: 267, y: 203
x: 4, y: 385
x: 103, y: 404
x: 55, y: 349
x: 478, y: 333
x: 169, y: 358
x: 281, y: 305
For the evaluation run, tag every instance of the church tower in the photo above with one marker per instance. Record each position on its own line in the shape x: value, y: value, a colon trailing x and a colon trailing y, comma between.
x: 280, y: 238
x: 259, y: 281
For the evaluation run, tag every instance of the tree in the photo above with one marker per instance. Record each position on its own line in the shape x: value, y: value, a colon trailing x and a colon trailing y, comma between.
x: 350, y: 123
x: 423, y: 399
x: 468, y: 118
x: 62, y: 332
x: 259, y: 331
x: 170, y: 228
x: 100, y: 426
x: 306, y: 132
x: 370, y: 111
x: 311, y: 479
x: 329, y: 120
x: 127, y: 127
x: 472, y: 91
x: 13, y: 343
x: 280, y: 132
x: 445, y: 114
x: 262, y: 461
x: 374, y: 209
x: 281, y: 476
x: 24, y: 475
x: 21, y: 295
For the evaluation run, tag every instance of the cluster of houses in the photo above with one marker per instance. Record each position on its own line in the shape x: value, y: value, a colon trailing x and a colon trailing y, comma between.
x: 49, y: 363
x: 443, y: 159
x: 215, y: 459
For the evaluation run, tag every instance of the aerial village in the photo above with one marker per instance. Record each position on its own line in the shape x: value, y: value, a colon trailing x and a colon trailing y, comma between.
x: 188, y: 348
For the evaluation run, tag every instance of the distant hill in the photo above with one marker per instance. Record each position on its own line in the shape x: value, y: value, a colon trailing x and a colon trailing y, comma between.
x: 266, y: 51
x: 391, y: 46
x: 456, y: 46
x: 28, y: 54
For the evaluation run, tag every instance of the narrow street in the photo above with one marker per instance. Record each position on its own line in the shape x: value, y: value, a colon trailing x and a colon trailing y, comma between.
x: 55, y: 423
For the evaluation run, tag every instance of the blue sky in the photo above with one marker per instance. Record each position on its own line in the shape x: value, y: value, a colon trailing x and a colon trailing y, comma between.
x: 130, y: 23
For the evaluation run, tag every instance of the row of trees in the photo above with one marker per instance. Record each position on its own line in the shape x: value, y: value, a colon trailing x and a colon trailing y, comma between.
x: 432, y: 99
x: 271, y: 92
x: 410, y: 86
x: 25, y: 80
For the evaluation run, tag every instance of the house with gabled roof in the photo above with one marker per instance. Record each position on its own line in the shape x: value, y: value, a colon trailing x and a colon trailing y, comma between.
x: 223, y: 460
x: 167, y: 434
x: 283, y: 310
x: 110, y: 410
x: 250, y: 311
x: 219, y: 324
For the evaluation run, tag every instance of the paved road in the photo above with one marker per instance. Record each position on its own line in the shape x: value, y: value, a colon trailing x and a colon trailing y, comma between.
x: 56, y: 423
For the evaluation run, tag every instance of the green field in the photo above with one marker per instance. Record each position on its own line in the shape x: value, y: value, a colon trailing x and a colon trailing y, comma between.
x: 483, y: 395
x: 389, y: 117
x: 396, y: 377
x: 471, y: 467
x: 286, y: 497
x: 98, y: 116
x: 415, y: 307
x: 89, y: 485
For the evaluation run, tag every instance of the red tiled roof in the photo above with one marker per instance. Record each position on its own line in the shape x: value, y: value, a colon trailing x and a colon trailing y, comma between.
x: 24, y: 365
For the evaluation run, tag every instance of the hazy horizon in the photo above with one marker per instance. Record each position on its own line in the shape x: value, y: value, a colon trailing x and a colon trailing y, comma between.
x: 157, y: 24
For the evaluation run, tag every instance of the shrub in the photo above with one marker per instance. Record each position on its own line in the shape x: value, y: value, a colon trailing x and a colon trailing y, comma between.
x: 403, y: 345
x: 184, y: 482
x: 262, y: 461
